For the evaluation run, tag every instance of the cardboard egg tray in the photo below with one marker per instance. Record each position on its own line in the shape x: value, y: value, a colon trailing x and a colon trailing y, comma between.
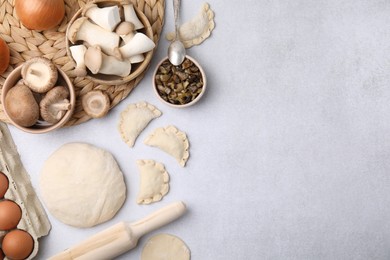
x: 34, y: 219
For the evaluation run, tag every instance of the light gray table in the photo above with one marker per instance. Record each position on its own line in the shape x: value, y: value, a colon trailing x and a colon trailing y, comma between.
x: 290, y: 146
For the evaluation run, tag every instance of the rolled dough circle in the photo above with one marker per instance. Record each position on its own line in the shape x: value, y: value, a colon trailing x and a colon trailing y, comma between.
x: 82, y: 185
x: 165, y: 246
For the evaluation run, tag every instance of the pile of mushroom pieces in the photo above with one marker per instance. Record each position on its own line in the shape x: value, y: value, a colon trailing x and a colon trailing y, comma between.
x: 180, y: 84
x: 37, y: 96
x: 106, y: 40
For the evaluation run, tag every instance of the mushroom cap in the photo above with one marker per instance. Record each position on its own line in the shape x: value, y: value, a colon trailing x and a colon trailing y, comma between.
x: 93, y: 59
x: 74, y: 28
x: 55, y: 104
x: 21, y: 106
x: 124, y: 28
x: 96, y: 103
x: 39, y: 74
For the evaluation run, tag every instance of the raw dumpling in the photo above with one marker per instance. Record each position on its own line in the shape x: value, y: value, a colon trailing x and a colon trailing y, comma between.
x: 134, y: 119
x: 82, y: 185
x: 154, y: 181
x: 172, y: 141
x: 198, y: 29
x: 165, y: 246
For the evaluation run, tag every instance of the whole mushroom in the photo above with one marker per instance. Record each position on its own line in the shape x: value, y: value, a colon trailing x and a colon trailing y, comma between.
x: 21, y: 106
x: 39, y: 74
x: 55, y: 104
x: 96, y: 103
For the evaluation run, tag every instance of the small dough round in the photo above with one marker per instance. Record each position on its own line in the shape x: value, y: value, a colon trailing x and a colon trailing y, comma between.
x: 82, y: 185
x: 165, y: 247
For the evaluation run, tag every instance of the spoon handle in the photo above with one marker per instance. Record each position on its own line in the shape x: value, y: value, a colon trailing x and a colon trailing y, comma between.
x: 176, y: 6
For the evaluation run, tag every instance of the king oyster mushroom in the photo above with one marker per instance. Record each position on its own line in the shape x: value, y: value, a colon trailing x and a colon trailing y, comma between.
x: 78, y: 52
x: 55, y: 104
x: 97, y: 62
x: 126, y: 30
x: 96, y: 103
x: 131, y: 16
x: 139, y: 43
x: 106, y: 17
x: 39, y: 74
x: 21, y: 105
x: 84, y: 30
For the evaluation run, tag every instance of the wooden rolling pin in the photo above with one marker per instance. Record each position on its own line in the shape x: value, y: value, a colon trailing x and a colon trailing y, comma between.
x: 121, y: 237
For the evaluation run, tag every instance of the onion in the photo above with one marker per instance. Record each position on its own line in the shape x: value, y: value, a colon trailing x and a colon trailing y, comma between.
x: 4, y: 56
x: 40, y: 14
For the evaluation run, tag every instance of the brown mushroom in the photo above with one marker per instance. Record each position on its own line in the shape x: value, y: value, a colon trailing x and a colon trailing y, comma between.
x: 21, y: 106
x: 55, y: 104
x: 39, y: 74
x: 96, y: 103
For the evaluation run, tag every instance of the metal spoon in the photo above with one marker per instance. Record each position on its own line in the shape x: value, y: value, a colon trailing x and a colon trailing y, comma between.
x: 176, y: 50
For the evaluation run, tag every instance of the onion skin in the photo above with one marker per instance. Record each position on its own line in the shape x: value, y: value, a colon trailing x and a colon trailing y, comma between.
x: 4, y: 56
x: 40, y: 14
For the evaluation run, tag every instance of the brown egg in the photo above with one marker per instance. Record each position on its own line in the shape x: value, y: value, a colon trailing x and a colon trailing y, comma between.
x: 10, y: 215
x: 18, y: 244
x: 4, y: 183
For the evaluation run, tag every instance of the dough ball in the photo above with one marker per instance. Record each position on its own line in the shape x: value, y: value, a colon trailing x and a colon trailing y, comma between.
x: 165, y: 246
x: 82, y: 185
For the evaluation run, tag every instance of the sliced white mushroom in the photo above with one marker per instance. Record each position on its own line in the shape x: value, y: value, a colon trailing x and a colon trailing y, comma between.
x: 137, y: 58
x: 131, y: 16
x: 97, y: 62
x: 106, y: 17
x: 39, y: 74
x: 140, y: 43
x: 83, y: 30
x: 95, y: 103
x: 78, y: 52
x: 126, y: 31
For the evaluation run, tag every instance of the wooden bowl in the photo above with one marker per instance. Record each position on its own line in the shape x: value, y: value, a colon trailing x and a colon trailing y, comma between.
x: 137, y: 68
x: 193, y: 101
x: 41, y: 126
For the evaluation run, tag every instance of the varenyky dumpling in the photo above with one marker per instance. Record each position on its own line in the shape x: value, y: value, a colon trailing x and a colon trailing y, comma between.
x: 134, y: 119
x: 198, y: 29
x: 154, y: 182
x: 172, y: 141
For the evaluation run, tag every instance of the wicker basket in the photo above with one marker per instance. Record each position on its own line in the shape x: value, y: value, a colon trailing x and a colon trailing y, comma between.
x: 25, y: 44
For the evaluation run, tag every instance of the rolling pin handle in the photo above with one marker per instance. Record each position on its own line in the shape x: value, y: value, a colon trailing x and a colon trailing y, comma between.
x: 158, y: 219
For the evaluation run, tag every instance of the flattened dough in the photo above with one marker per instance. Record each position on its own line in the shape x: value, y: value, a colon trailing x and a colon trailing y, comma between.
x: 172, y: 141
x: 198, y: 29
x: 165, y: 247
x: 154, y: 181
x: 134, y: 119
x: 82, y: 185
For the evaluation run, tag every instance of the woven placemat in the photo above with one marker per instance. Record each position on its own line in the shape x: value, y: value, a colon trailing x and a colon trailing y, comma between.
x: 25, y: 44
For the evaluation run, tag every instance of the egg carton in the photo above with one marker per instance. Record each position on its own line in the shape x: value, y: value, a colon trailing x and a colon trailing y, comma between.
x: 34, y: 218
